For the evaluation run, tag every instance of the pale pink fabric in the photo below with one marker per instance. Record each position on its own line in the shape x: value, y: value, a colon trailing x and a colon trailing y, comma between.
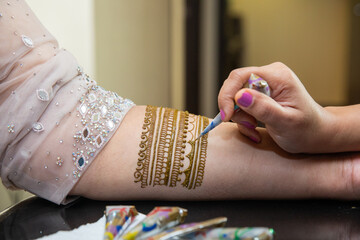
x: 54, y: 118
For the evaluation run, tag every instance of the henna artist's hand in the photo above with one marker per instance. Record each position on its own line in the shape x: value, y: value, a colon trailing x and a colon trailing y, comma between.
x: 293, y: 119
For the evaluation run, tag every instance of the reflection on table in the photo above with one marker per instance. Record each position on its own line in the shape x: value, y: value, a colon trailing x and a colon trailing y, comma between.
x: 308, y: 219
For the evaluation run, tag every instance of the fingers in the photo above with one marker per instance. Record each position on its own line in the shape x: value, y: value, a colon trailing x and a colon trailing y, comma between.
x: 246, y: 125
x: 260, y: 106
x: 231, y: 85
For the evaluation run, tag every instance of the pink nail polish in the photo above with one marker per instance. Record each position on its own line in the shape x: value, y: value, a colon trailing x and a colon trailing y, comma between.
x: 254, y: 139
x: 222, y: 114
x: 247, y: 124
x: 245, y: 100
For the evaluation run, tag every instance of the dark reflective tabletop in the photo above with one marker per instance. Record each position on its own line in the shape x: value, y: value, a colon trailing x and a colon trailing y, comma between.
x: 308, y: 219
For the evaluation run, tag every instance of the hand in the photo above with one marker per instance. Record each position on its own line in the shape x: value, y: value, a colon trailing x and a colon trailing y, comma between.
x: 293, y: 119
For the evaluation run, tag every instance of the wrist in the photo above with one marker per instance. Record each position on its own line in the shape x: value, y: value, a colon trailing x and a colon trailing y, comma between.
x: 337, y: 129
x: 324, y: 133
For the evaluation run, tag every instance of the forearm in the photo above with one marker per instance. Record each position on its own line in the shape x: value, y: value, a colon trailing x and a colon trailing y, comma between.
x: 235, y: 169
x: 341, y: 129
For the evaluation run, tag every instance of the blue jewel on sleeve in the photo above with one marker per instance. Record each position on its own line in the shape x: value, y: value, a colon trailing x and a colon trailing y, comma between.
x: 80, y: 162
x: 38, y: 127
x: 42, y: 95
x: 27, y: 41
x: 11, y: 128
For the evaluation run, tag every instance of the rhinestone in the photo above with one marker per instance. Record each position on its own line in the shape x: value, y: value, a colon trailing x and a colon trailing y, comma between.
x: 103, y: 110
x: 95, y: 117
x: 1, y: 15
x: 99, y: 141
x: 118, y: 115
x: 83, y: 109
x: 27, y: 41
x: 110, y: 125
x: 80, y: 71
x: 91, y: 97
x: 59, y: 161
x: 42, y: 95
x: 76, y: 174
x: 11, y: 128
x: 110, y: 101
x: 80, y: 162
x: 85, y: 133
x: 61, y: 141
x: 45, y: 167
x: 38, y: 127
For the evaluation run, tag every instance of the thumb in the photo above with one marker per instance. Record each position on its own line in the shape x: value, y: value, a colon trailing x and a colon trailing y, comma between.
x: 260, y: 106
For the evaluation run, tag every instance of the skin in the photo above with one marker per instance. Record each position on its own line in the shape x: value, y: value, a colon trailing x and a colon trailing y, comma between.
x: 292, y: 118
x: 236, y: 168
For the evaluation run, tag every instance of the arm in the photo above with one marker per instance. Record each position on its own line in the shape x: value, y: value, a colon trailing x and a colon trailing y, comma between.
x: 235, y: 168
x: 343, y: 128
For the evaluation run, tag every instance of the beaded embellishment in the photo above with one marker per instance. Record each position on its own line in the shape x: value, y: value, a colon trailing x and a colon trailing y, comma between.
x: 38, y: 127
x: 99, y: 112
x: 27, y: 41
x: 42, y: 95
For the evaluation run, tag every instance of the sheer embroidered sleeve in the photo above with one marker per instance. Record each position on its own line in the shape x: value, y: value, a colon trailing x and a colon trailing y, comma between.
x: 54, y: 118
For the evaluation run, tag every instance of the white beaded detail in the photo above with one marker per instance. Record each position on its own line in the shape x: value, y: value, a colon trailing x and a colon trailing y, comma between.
x: 27, y: 41
x: 42, y: 95
x: 38, y: 127
x: 100, y: 111
x: 11, y: 128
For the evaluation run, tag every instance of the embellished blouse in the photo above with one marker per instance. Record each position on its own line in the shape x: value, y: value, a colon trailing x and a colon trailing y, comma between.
x: 55, y: 119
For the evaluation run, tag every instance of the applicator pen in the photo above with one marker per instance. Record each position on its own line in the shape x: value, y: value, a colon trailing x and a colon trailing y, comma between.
x: 255, y: 82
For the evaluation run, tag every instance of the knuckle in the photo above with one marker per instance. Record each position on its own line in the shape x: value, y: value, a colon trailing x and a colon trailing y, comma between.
x: 236, y: 73
x: 279, y: 64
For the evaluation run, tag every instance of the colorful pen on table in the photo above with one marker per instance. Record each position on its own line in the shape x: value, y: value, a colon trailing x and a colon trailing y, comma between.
x: 255, y: 82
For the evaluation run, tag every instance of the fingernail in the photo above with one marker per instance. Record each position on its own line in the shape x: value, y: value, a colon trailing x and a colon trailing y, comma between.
x: 222, y: 114
x: 245, y: 100
x: 255, y: 140
x: 247, y: 124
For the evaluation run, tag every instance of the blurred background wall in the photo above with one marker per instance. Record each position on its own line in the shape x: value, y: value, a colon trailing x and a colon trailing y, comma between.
x: 311, y: 37
x: 165, y: 52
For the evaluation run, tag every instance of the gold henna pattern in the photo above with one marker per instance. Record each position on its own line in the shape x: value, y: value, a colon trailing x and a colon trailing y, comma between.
x: 162, y: 149
x: 141, y: 172
x: 194, y: 174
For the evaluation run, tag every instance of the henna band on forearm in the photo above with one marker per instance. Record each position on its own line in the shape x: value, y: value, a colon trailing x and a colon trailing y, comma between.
x: 162, y: 156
